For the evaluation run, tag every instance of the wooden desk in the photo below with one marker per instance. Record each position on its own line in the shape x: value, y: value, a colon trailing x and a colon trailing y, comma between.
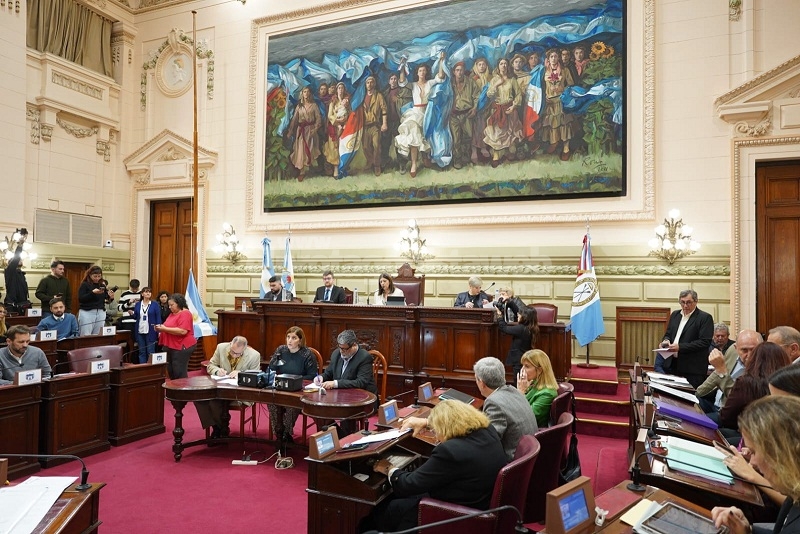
x: 419, y: 343
x: 74, y: 511
x: 704, y: 492
x: 19, y: 427
x: 49, y: 348
x: 30, y: 322
x: 122, y: 337
x: 337, y: 404
x: 74, y: 417
x: 136, y: 408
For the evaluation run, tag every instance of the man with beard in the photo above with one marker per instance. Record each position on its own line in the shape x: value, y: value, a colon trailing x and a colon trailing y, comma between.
x: 65, y: 324
x: 395, y: 97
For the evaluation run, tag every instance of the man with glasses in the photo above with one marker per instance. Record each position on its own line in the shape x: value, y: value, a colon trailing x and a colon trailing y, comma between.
x: 228, y: 360
x: 328, y: 292
x: 350, y: 367
x: 789, y: 340
x: 688, y: 335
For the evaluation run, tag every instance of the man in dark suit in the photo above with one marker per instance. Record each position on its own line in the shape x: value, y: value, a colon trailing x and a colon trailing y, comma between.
x: 689, y: 334
x: 350, y: 367
x: 328, y: 292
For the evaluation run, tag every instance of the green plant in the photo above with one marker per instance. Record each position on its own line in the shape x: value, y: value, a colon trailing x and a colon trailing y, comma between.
x: 276, y: 160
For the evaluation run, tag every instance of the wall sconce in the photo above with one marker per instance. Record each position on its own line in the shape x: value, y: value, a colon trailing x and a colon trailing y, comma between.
x: 673, y: 239
x: 10, y: 245
x: 412, y: 246
x: 228, y: 242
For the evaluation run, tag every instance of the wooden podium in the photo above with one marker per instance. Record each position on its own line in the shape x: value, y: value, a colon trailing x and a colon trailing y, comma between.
x: 74, y: 418
x: 19, y: 427
x: 136, y: 407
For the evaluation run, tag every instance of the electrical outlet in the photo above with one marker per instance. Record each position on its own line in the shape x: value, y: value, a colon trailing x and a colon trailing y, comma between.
x: 244, y: 462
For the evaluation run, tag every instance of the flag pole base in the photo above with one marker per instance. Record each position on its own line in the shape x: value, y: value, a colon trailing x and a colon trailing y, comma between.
x: 588, y: 365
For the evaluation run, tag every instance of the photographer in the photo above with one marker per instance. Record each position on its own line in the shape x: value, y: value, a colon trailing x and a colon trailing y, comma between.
x: 524, y: 331
x: 508, y: 304
x: 92, y: 297
x: 16, y: 284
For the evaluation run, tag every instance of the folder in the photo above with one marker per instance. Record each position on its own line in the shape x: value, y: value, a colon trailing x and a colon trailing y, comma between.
x: 686, y: 414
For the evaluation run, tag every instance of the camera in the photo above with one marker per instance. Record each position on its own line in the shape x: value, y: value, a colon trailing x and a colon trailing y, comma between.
x: 114, y: 289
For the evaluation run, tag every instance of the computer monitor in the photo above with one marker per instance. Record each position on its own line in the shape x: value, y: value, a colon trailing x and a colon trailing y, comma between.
x: 571, y: 508
x: 425, y: 392
x: 395, y: 301
x: 387, y: 413
x: 323, y: 444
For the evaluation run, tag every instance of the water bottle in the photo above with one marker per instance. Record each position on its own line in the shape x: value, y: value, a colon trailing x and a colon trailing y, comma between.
x: 244, y: 306
x: 355, y: 296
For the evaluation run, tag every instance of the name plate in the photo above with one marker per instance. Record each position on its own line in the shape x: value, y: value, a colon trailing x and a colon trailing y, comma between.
x: 47, y: 335
x: 100, y: 366
x: 34, y: 312
x: 109, y: 330
x: 32, y: 376
x: 158, y: 358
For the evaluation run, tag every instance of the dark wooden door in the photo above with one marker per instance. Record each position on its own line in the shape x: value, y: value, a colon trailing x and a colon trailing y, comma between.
x: 170, y: 245
x: 74, y: 273
x: 777, y: 244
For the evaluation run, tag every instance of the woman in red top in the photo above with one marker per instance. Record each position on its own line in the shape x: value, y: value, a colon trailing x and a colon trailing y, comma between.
x: 176, y: 335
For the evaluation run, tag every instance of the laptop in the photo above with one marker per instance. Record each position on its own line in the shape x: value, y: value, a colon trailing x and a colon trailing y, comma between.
x: 395, y: 301
x: 454, y: 394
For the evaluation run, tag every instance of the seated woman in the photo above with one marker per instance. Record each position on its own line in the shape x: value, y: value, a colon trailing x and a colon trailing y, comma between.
x: 524, y: 331
x: 294, y: 358
x: 785, y: 381
x: 3, y: 315
x: 765, y: 359
x: 771, y: 435
x: 538, y: 383
x: 461, y: 470
x: 386, y: 289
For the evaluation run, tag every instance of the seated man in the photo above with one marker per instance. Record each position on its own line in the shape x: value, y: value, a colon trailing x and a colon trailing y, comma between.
x: 228, y: 360
x: 328, y: 292
x: 789, y: 339
x: 727, y: 368
x: 19, y: 356
x: 474, y: 297
x: 65, y: 324
x: 505, y: 406
x: 276, y: 291
x: 350, y: 367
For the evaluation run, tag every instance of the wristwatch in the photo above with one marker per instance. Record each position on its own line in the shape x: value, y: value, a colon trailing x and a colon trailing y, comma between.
x: 722, y: 375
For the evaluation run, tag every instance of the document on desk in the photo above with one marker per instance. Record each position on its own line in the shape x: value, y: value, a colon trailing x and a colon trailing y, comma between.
x: 674, y: 392
x: 382, y: 436
x: 226, y: 380
x: 25, y: 504
x: 661, y: 378
x: 697, y: 459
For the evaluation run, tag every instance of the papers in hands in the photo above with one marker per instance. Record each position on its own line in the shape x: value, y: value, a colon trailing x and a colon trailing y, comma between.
x: 665, y: 352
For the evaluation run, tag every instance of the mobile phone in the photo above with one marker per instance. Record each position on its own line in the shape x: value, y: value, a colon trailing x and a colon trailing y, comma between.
x: 354, y: 447
x: 722, y: 448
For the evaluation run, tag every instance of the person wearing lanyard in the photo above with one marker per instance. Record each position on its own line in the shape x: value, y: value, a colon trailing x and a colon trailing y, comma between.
x: 146, y: 315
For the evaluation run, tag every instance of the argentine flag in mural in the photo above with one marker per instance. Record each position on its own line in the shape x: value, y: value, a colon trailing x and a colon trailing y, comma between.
x: 587, y: 316
x: 202, y: 324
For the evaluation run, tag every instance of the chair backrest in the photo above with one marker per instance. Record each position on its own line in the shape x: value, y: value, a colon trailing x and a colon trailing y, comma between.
x: 561, y: 404
x: 320, y: 363
x: 512, y: 477
x: 348, y: 296
x: 379, y: 365
x: 413, y: 286
x: 81, y: 359
x: 553, y: 441
x: 545, y: 313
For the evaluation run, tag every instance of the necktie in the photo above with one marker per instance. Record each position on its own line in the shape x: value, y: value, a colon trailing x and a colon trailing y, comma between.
x: 327, y: 294
x: 60, y: 318
x: 344, y: 365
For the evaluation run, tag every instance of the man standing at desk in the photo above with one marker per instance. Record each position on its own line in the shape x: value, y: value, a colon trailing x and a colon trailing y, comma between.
x: 276, y: 291
x: 52, y: 286
x: 18, y: 356
x: 227, y: 361
x: 350, y: 367
x: 688, y: 335
x: 328, y: 292
x: 474, y: 297
x: 65, y: 324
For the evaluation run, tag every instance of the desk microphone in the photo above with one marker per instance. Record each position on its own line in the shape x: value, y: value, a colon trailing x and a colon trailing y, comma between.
x: 90, y: 358
x: 519, y: 528
x: 636, y: 471
x: 414, y: 391
x: 84, y: 485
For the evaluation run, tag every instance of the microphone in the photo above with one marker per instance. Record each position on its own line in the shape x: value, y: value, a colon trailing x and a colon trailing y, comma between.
x: 426, y: 375
x: 84, y: 485
x: 519, y: 528
x: 414, y: 391
x: 90, y: 358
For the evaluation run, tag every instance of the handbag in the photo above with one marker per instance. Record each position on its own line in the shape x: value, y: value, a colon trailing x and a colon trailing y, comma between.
x: 572, y: 467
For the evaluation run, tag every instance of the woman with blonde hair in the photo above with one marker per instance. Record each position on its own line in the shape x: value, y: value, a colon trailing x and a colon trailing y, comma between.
x: 3, y: 315
x: 770, y: 431
x: 461, y: 470
x: 538, y: 383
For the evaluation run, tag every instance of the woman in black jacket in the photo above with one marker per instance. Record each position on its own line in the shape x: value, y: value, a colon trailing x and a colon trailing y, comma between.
x: 92, y: 296
x: 524, y: 333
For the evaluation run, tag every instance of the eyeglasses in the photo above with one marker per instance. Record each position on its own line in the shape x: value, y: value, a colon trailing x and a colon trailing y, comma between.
x: 236, y: 354
x: 345, y: 347
x: 686, y: 302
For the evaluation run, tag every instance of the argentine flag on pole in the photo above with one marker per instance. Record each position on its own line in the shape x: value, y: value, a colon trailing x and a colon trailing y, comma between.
x: 586, y: 317
x: 202, y: 324
x: 287, y: 277
x: 267, y: 271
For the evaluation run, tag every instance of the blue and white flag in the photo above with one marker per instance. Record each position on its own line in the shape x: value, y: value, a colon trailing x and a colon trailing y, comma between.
x: 202, y: 324
x: 287, y: 277
x: 587, y: 316
x: 267, y: 271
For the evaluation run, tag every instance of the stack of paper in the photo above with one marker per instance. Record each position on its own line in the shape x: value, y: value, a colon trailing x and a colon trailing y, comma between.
x: 668, y: 380
x: 674, y: 392
x: 697, y: 459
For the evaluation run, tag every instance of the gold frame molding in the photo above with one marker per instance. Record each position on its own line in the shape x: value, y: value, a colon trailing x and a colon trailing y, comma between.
x: 518, y: 212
